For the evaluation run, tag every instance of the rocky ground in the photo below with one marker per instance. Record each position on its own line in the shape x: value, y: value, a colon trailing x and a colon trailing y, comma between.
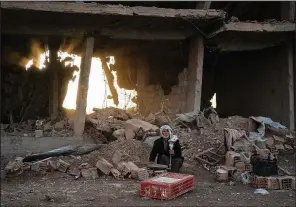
x: 58, y: 189
x: 111, y: 127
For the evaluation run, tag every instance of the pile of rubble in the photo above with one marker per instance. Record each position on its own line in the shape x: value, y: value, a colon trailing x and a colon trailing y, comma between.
x: 76, y: 166
x: 125, y: 141
x: 60, y: 127
x: 251, y: 156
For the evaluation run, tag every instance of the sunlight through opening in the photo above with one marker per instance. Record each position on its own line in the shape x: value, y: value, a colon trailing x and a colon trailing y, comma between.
x: 98, y: 89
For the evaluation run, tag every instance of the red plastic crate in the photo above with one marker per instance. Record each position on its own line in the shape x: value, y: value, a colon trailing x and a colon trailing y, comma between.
x: 167, y: 186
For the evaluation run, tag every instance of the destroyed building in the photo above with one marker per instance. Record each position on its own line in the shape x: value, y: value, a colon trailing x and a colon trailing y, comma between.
x: 180, y: 54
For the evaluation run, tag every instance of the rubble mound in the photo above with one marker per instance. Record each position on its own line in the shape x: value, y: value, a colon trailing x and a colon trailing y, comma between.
x: 137, y: 151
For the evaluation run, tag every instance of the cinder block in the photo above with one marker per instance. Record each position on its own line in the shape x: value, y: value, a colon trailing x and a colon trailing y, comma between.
x: 285, y: 182
x: 260, y: 182
x: 38, y: 133
x: 273, y: 183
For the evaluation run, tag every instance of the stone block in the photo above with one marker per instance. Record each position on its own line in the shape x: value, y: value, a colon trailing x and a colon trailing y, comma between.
x: 90, y: 173
x: 104, y: 166
x: 38, y: 133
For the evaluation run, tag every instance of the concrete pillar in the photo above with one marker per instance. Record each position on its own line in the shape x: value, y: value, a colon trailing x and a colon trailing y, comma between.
x: 142, y: 81
x: 288, y: 13
x: 53, y: 45
x: 195, y: 70
x: 83, y: 87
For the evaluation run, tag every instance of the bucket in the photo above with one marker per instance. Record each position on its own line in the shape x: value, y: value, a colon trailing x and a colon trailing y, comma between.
x: 221, y: 175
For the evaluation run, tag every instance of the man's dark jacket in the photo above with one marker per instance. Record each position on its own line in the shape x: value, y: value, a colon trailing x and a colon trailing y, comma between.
x: 158, y: 148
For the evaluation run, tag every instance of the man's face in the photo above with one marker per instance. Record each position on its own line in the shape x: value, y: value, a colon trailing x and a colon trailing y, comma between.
x: 165, y: 133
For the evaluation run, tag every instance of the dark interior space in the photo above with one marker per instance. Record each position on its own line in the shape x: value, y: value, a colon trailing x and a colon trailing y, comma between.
x: 252, y: 83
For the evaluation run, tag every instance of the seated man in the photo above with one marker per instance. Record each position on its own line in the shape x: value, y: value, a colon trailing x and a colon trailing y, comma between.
x: 162, y: 151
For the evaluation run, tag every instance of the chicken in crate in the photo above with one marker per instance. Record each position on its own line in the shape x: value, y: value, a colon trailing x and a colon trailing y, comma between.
x: 167, y: 186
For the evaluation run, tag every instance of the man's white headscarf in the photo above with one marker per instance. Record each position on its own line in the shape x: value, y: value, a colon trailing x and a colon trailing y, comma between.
x: 166, y: 127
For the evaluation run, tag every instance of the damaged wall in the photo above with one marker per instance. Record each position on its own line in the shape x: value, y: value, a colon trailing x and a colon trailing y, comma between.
x: 254, y: 83
x: 161, y: 77
x: 26, y: 93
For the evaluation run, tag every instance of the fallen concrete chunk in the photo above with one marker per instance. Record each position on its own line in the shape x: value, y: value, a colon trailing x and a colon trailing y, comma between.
x: 288, y: 148
x: 116, y: 174
x: 129, y: 133
x: 104, y: 166
x: 278, y: 140
x: 84, y: 165
x: 150, y: 140
x: 123, y: 167
x: 161, y: 120
x: 119, y: 157
x: 41, y: 166
x: 53, y: 164
x: 47, y: 127
x: 150, y: 118
x: 231, y: 158
x: 280, y: 147
x: 59, y: 125
x: 38, y: 133
x: 75, y: 168
x: 15, y: 167
x: 90, y: 173
x: 74, y: 172
x: 118, y: 133
x: 62, y: 166
x: 135, y: 124
x: 270, y: 142
x: 143, y: 174
x: 134, y: 170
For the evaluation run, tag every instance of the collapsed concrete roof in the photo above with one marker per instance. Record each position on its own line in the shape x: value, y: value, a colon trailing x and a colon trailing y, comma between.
x: 102, y: 9
x: 115, y: 21
x: 239, y: 36
x: 255, y: 27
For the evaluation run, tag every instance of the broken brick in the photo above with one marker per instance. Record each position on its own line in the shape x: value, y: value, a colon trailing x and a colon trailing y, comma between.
x: 129, y: 133
x: 90, y: 173
x: 116, y: 174
x: 118, y: 157
x: 62, y: 166
x: 38, y: 133
x: 104, y: 166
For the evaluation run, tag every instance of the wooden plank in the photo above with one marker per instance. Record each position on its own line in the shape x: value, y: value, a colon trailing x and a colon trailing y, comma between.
x: 206, y: 151
x: 83, y: 87
x: 95, y: 8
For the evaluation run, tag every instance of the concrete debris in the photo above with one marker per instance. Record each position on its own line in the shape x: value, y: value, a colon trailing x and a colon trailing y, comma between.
x: 129, y: 133
x: 15, y: 167
x: 47, y: 127
x: 90, y: 173
x: 62, y: 166
x: 104, y: 166
x: 134, y: 170
x: 136, y: 124
x: 38, y: 133
x: 119, y: 157
x: 59, y: 125
x: 234, y: 19
x: 116, y: 174
x: 119, y: 133
x: 131, y: 137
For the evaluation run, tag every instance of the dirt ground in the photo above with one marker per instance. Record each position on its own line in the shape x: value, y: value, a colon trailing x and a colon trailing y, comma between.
x: 59, y: 189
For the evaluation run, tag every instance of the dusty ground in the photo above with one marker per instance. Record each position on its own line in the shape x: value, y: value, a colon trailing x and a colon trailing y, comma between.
x: 32, y: 190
